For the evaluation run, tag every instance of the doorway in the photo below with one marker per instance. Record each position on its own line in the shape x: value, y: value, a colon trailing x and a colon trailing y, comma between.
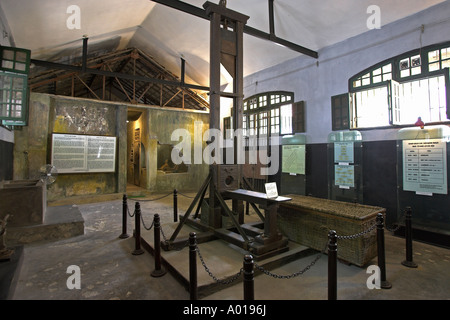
x: 135, y: 148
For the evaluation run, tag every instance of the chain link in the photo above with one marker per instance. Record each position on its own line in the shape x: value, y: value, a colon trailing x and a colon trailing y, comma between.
x: 230, y: 280
x: 143, y: 200
x: 356, y: 235
x: 167, y: 241
x: 260, y: 268
x: 143, y: 223
x: 393, y: 229
x: 184, y: 195
x: 402, y: 218
x: 295, y: 274
x: 131, y: 215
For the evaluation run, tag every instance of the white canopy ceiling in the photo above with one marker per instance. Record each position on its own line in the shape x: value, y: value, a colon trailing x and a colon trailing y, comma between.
x: 168, y: 34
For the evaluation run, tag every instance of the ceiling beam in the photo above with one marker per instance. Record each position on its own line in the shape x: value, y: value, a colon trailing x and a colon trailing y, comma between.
x: 66, y: 67
x: 271, y: 18
x: 201, y: 13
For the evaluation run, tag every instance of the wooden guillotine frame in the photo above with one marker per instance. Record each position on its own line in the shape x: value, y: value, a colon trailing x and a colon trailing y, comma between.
x: 262, y: 239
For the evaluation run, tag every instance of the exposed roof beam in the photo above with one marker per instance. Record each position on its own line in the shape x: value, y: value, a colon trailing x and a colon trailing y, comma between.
x: 271, y: 18
x: 60, y: 66
x: 201, y: 13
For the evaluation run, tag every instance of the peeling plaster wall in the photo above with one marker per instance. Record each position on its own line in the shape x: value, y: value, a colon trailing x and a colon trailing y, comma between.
x: 54, y: 114
x: 161, y: 124
x: 156, y: 126
x: 57, y: 114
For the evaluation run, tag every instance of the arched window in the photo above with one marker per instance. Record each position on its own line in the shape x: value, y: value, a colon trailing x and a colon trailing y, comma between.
x: 397, y: 91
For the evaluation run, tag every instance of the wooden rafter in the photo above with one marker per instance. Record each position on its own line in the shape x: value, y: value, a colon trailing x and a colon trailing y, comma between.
x: 127, y: 70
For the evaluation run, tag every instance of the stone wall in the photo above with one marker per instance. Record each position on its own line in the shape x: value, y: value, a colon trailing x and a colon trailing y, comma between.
x: 50, y: 114
x: 156, y: 126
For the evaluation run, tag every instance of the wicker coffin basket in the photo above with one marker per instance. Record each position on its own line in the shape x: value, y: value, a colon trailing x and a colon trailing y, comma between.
x: 307, y: 220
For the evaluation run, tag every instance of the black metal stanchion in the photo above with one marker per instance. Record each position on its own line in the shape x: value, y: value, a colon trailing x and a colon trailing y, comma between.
x: 193, y: 266
x: 137, y: 229
x: 124, y: 234
x: 408, y: 236
x: 159, y: 270
x: 381, y: 254
x: 332, y: 265
x: 249, y: 285
x: 175, y: 206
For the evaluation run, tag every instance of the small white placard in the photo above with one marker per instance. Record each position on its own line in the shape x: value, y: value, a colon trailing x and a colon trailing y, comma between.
x: 419, y: 193
x: 271, y: 190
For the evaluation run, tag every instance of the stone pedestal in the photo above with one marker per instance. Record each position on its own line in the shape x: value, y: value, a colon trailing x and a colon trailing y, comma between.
x: 24, y: 200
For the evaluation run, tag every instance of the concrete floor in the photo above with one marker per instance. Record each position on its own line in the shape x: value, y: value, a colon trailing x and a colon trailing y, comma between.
x: 109, y: 270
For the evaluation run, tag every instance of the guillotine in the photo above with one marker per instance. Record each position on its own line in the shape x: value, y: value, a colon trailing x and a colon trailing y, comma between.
x: 262, y: 239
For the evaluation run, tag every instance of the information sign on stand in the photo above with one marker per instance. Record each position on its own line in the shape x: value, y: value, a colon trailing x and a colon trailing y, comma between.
x: 425, y: 166
x: 345, y: 166
x: 293, y: 159
x: 422, y: 181
x: 344, y: 170
x: 293, y: 165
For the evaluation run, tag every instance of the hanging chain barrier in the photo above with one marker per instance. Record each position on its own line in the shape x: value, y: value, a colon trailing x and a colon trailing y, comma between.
x: 378, y: 225
x: 142, y: 219
x: 396, y: 225
x: 357, y: 235
x: 295, y: 274
x: 145, y: 227
x: 130, y: 214
x: 185, y: 195
x: 230, y: 280
x: 179, y: 248
x: 159, y: 198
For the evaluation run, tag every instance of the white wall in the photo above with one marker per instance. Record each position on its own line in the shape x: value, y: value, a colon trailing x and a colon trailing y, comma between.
x: 316, y: 81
